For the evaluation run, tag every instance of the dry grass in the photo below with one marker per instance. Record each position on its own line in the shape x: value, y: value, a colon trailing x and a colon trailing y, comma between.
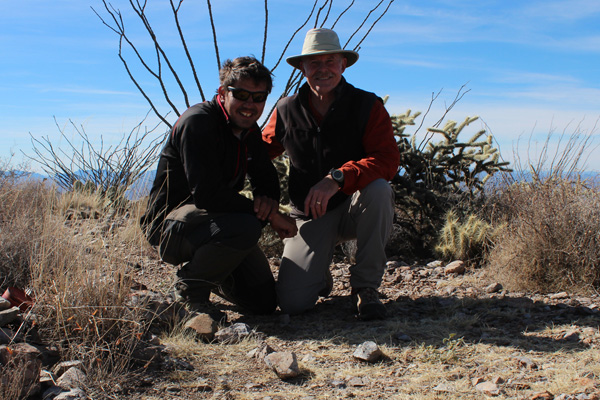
x: 551, y: 241
x: 79, y: 282
x: 80, y: 267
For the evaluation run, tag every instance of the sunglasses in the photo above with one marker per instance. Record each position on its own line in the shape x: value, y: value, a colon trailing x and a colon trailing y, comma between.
x: 244, y: 95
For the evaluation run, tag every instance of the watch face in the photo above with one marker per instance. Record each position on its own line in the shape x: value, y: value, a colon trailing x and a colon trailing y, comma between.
x: 337, y: 175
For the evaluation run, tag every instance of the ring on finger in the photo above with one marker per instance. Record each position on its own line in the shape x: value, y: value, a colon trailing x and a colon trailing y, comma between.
x: 318, y: 202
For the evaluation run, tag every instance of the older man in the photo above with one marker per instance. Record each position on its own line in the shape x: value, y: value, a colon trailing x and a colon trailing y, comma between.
x: 197, y: 217
x: 342, y: 153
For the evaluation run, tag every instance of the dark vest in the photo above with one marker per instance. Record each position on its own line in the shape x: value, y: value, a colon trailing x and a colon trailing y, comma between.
x: 315, y: 149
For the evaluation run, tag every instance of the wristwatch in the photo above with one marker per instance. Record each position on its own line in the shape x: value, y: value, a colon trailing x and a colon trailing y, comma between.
x: 338, y: 176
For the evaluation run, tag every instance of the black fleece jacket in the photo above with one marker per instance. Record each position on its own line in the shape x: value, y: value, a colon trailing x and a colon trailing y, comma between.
x: 204, y: 163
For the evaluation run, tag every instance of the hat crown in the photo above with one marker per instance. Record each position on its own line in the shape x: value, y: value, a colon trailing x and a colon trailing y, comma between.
x: 320, y: 39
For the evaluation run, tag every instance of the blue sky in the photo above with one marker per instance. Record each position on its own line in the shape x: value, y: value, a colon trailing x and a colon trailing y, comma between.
x: 531, y: 67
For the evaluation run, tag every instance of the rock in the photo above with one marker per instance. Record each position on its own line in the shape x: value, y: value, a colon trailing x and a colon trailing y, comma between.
x: 73, y: 378
x: 443, y: 387
x: 204, y: 325
x: 63, y: 366
x: 455, y: 267
x: 9, y: 315
x: 368, y: 351
x: 546, y: 395
x: 25, y: 361
x: 402, y: 337
x: 4, y: 304
x: 52, y: 392
x: 488, y: 388
x: 476, y: 381
x: 525, y: 362
x: 358, y: 381
x: 571, y: 336
x: 435, y: 264
x: 73, y: 394
x: 262, y: 351
x: 493, y: 288
x: 559, y: 296
x: 8, y: 336
x: 284, y: 364
x: 148, y: 354
x: 233, y: 334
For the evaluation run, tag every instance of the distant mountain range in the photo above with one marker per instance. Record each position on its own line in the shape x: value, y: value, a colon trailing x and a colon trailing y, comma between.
x: 142, y: 186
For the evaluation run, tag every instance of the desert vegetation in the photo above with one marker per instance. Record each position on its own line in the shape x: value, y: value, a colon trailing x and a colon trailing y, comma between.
x: 534, y: 234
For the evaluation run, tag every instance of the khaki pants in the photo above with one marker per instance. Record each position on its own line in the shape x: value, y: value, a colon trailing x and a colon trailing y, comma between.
x: 366, y: 216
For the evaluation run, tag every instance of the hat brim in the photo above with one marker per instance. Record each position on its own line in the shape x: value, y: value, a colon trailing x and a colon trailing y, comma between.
x: 350, y: 55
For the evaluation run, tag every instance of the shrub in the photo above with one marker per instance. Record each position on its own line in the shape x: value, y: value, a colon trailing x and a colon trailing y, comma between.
x: 551, y: 241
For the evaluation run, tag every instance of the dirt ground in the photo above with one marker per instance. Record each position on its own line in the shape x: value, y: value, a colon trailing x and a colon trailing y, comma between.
x: 448, y: 335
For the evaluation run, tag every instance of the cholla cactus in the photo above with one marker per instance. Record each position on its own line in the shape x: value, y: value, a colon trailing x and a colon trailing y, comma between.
x: 436, y: 176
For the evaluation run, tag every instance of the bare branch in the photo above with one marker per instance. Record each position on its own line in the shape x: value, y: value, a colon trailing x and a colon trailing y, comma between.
x: 341, y: 14
x: 185, y: 48
x: 212, y: 24
x: 264, y: 47
x: 294, y: 35
x: 319, y: 13
x: 363, y: 22
x: 160, y: 53
x: 373, y: 25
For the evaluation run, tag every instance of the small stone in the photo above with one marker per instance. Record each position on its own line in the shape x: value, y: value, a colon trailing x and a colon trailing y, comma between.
x: 443, y: 387
x: 233, y: 334
x: 488, y: 388
x: 4, y: 304
x: 357, y: 381
x: 368, y: 351
x: 73, y: 378
x: 476, y: 381
x: 285, y: 364
x: 560, y: 295
x: 526, y: 362
x: 571, y: 336
x: 63, y: 366
x: 73, y: 394
x: 545, y: 395
x: 403, y: 337
x: 8, y: 336
x: 493, y: 288
x: 337, y: 383
x: 204, y: 326
x: 9, y: 315
x: 435, y: 264
x: 455, y: 267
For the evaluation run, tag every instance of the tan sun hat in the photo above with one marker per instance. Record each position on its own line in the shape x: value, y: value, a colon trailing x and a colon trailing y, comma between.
x: 322, y: 41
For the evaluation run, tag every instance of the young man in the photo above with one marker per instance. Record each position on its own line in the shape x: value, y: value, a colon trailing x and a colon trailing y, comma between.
x: 342, y: 152
x: 196, y: 214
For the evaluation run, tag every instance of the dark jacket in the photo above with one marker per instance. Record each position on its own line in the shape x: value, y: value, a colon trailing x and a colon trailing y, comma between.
x: 204, y: 163
x: 355, y: 136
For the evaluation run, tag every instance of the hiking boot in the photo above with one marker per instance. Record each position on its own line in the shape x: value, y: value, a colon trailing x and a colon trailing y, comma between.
x: 326, y: 291
x: 197, y: 300
x: 367, y: 304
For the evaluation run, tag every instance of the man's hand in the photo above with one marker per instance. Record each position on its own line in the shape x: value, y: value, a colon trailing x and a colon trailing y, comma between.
x: 319, y: 195
x: 265, y: 206
x: 284, y: 225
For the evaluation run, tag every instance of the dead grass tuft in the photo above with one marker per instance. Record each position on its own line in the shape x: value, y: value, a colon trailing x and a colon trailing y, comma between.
x: 551, y: 241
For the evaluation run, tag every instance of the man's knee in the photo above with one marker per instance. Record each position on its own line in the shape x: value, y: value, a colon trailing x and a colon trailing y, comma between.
x: 378, y: 190
x: 295, y: 301
x: 241, y: 233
